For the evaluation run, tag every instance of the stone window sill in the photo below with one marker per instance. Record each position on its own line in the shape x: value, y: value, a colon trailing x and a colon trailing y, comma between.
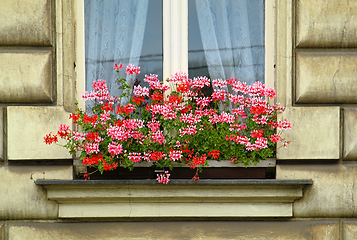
x: 112, y: 199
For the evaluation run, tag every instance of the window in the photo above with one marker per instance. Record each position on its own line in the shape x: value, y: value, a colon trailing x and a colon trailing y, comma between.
x: 219, y: 39
x: 223, y: 39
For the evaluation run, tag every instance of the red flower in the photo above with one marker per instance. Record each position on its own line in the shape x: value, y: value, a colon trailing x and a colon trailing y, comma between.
x: 156, y: 156
x: 116, y: 67
x: 87, y: 161
x: 107, y: 107
x: 157, y: 97
x: 188, y: 108
x: 256, y: 133
x: 214, y: 153
x: 87, y: 119
x: 175, y: 99
x: 138, y: 99
x: 196, y: 177
x: 182, y: 88
x: 92, y: 136
x: 74, y: 116
x: 49, y: 138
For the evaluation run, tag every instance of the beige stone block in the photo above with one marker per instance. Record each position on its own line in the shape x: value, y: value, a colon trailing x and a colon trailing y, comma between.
x: 25, y: 22
x: 21, y: 198
x: 2, y: 133
x: 194, y: 230
x: 349, y: 134
x: 283, y: 67
x: 349, y: 230
x: 26, y: 127
x: 2, y: 231
x: 332, y: 194
x: 315, y: 133
x: 163, y: 209
x: 326, y: 77
x: 322, y: 23
x: 26, y: 76
x: 93, y: 200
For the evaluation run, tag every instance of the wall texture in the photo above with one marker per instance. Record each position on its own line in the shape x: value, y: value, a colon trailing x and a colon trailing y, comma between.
x: 315, y: 76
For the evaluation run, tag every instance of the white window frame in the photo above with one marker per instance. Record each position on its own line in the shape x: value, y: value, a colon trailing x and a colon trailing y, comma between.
x: 175, y: 41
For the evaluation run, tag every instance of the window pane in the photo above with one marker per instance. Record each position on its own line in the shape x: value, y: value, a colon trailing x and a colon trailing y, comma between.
x: 122, y: 31
x: 226, y: 39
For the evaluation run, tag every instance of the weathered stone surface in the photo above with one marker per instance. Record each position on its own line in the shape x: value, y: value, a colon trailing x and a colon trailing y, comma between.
x: 2, y: 231
x: 284, y: 51
x: 349, y: 134
x: 323, y: 23
x: 26, y: 77
x: 2, y: 133
x: 210, y: 230
x: 326, y: 77
x: 181, y: 198
x: 349, y: 230
x: 21, y: 198
x: 25, y: 22
x: 315, y: 133
x: 26, y: 127
x: 332, y: 194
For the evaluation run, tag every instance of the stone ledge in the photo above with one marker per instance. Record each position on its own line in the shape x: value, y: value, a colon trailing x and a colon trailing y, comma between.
x: 96, y: 199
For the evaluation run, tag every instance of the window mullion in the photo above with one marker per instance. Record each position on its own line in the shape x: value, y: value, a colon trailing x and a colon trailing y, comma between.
x: 175, y: 36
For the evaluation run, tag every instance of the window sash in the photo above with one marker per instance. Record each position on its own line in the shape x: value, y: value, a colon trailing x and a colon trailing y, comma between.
x: 175, y: 42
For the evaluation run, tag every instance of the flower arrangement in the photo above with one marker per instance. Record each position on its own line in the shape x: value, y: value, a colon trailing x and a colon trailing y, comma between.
x: 200, y: 120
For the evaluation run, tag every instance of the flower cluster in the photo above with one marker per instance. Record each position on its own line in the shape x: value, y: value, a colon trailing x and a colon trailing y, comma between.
x: 235, y: 122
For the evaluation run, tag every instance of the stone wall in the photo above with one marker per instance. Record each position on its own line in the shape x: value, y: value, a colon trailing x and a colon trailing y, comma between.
x: 315, y: 76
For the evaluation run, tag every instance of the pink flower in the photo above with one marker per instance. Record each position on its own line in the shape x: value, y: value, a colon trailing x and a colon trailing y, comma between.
x: 236, y: 99
x: 191, y: 130
x: 92, y: 147
x: 190, y: 118
x: 99, y: 93
x: 154, y: 125
x: 118, y: 133
x: 131, y: 69
x: 104, y: 117
x: 237, y: 127
x: 261, y: 143
x: 200, y: 82
x: 237, y: 86
x: 219, y: 94
x: 180, y: 76
x: 219, y: 83
x: 158, y: 137
x: 203, y: 101
x: 64, y: 131
x: 141, y: 91
x: 284, y: 125
x: 175, y: 155
x: 115, y: 148
x: 116, y: 67
x: 77, y: 136
x: 274, y: 138
x: 135, y: 157
x: 163, y: 177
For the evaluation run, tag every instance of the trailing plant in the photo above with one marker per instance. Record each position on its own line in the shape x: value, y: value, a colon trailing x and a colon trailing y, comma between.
x: 199, y: 120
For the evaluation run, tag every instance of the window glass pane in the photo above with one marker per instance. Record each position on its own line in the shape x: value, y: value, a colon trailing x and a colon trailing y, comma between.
x: 226, y: 39
x: 125, y: 32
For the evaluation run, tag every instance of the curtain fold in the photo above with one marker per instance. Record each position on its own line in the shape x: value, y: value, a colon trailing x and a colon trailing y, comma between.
x: 232, y: 33
x: 114, y: 34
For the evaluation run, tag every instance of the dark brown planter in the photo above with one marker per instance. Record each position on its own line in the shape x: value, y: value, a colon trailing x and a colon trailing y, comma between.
x: 185, y: 173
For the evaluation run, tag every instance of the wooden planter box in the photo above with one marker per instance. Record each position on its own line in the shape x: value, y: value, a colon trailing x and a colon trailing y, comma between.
x: 219, y: 170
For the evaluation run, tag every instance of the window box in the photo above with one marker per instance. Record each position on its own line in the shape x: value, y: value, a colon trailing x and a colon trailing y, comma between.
x: 216, y: 170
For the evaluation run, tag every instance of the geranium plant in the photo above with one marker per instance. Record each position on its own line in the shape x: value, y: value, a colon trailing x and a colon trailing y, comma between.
x: 200, y: 120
